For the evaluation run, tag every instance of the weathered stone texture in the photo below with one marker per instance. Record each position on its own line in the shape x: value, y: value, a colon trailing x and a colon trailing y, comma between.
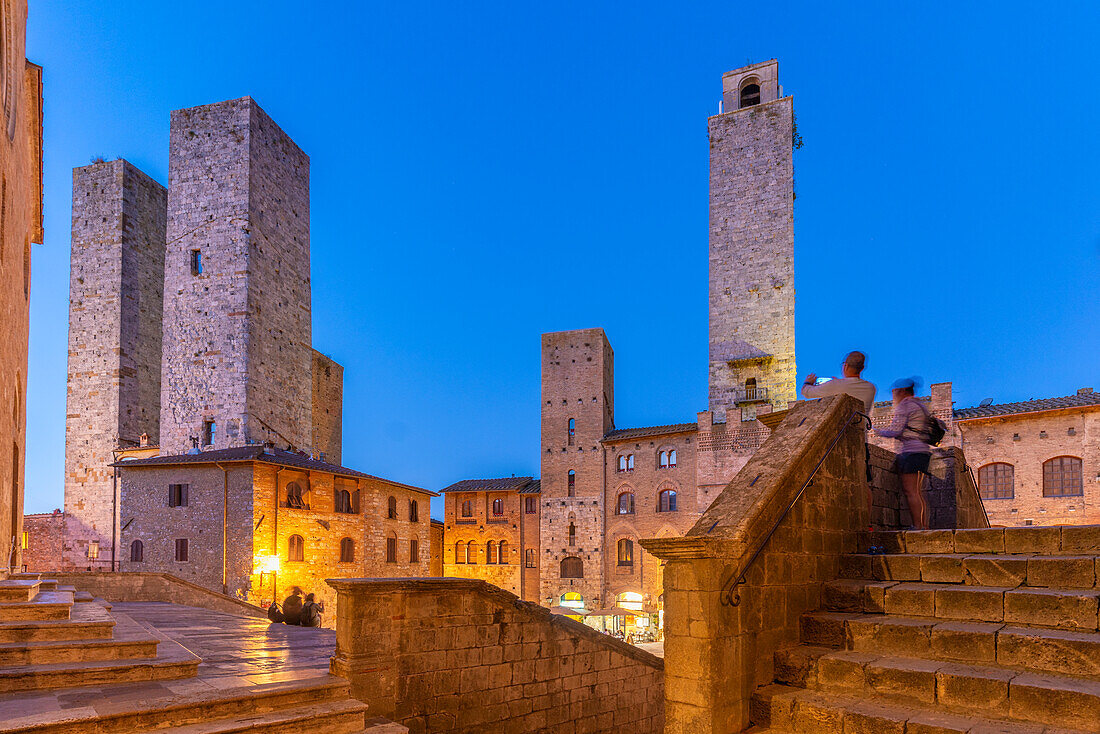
x: 45, y: 537
x: 115, y: 301
x: 328, y: 408
x: 452, y: 655
x: 237, y: 337
x: 752, y: 250
x: 952, y: 498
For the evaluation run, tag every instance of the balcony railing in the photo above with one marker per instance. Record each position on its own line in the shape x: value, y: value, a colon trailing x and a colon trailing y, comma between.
x: 751, y: 395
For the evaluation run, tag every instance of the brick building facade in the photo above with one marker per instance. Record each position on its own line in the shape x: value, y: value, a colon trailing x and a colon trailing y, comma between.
x: 20, y: 225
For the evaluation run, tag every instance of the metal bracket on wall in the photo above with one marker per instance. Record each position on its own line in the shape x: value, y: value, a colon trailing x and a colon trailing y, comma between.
x: 259, y: 522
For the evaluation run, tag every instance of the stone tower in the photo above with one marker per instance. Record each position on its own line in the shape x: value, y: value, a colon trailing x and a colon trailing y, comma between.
x: 237, y: 332
x: 115, y: 301
x: 752, y: 357
x: 578, y: 410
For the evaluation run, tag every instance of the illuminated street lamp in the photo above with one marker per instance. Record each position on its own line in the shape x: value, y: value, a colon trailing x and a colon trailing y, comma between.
x: 268, y: 564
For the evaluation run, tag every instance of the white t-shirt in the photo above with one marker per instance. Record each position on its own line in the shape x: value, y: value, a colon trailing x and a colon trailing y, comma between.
x: 857, y: 387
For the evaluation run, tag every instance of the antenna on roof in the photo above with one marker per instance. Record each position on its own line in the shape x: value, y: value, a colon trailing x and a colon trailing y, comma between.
x: 986, y: 403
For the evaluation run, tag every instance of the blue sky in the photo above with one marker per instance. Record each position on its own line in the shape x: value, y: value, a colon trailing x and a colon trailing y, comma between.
x: 486, y: 172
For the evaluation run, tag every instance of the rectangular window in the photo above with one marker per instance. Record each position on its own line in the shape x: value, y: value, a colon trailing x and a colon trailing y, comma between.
x: 196, y: 262
x: 467, y: 508
x: 414, y: 551
x: 530, y: 505
x: 177, y: 495
x: 26, y: 540
x: 529, y: 558
x: 181, y: 550
x: 93, y: 550
x: 209, y: 431
x: 414, y: 511
x: 391, y: 550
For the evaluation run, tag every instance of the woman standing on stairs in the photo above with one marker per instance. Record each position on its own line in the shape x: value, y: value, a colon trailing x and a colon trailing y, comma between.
x: 911, y: 428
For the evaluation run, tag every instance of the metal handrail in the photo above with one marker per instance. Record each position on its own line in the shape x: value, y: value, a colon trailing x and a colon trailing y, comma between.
x: 730, y: 596
x: 750, y: 394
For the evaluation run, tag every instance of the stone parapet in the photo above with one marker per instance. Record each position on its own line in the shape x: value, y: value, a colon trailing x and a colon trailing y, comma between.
x: 461, y: 655
x: 123, y: 586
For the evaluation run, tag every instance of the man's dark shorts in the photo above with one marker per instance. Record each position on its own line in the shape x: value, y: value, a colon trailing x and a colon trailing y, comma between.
x: 913, y: 463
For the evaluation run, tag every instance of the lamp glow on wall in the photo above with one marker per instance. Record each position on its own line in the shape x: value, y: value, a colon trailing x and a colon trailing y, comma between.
x: 263, y: 564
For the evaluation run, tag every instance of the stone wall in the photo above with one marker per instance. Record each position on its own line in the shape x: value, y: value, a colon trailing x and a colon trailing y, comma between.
x: 952, y: 498
x: 435, y: 535
x: 115, y: 301
x: 328, y: 408
x: 450, y: 655
x: 480, y: 530
x: 125, y: 586
x: 45, y: 535
x: 752, y: 248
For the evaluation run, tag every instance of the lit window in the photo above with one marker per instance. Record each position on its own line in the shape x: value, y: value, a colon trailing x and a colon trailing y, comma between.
x: 181, y: 550
x: 503, y: 554
x: 414, y: 511
x: 460, y: 552
x: 572, y: 486
x: 295, y: 548
x: 572, y: 430
x: 177, y: 495
x: 471, y: 552
x: 529, y: 558
x: 347, y: 551
x: 1062, y: 477
x: 530, y: 505
x: 391, y: 548
x: 625, y: 505
x: 343, y: 501
x: 995, y: 481
x: 498, y: 508
x: 196, y: 262
x: 572, y: 600
x: 93, y: 550
x: 572, y: 568
x: 414, y: 551
x: 26, y: 540
x: 137, y: 552
x: 490, y: 552
x: 391, y: 508
x: 666, y: 501
x: 209, y: 432
x: 626, y: 552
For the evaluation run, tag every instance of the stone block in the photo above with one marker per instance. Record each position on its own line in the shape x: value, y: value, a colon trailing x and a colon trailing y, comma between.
x: 911, y: 600
x: 855, y: 566
x: 891, y: 541
x: 995, y: 570
x: 822, y: 628
x: 1062, y: 572
x: 946, y: 568
x: 903, y: 678
x: 970, y: 642
x: 817, y: 714
x: 977, y: 603
x: 902, y: 567
x: 892, y: 635
x: 1050, y: 651
x: 796, y: 666
x: 1033, y: 540
x: 1056, y: 701
x: 1081, y: 539
x: 870, y: 718
x: 929, y: 541
x: 935, y: 722
x: 842, y: 670
x: 1052, y: 608
x: 972, y: 688
x: 980, y: 540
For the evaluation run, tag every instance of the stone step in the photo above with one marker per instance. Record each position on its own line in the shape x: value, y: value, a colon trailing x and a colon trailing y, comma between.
x: 188, y: 709
x: 86, y: 622
x: 18, y: 589
x: 331, y: 717
x: 379, y: 725
x: 44, y: 584
x: 984, y: 569
x: 779, y: 708
x: 1073, y: 609
x: 1038, y: 650
x: 127, y: 643
x: 1064, y: 540
x: 172, y: 661
x: 45, y: 605
x: 972, y: 690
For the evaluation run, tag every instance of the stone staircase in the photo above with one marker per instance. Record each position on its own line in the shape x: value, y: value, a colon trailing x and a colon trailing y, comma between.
x: 54, y: 638
x: 979, y: 631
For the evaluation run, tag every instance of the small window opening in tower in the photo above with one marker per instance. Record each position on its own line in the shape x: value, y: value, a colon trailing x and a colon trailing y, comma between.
x: 750, y: 95
x: 209, y: 430
x: 196, y: 262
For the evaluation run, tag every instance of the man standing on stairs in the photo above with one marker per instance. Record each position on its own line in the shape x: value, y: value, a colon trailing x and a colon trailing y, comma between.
x: 851, y: 384
x: 911, y: 429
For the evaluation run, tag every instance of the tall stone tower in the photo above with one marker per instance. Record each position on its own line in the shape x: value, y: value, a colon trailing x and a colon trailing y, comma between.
x: 752, y: 357
x: 237, y: 331
x: 115, y: 301
x: 578, y: 410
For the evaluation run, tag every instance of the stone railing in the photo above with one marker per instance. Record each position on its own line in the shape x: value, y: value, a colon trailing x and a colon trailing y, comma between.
x: 461, y: 655
x: 123, y: 586
x: 717, y: 652
x: 953, y: 500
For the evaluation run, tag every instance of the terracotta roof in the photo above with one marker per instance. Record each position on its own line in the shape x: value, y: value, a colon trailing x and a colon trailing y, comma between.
x: 623, y: 433
x: 1081, y: 399
x: 522, y: 485
x: 267, y: 456
x: 534, y: 487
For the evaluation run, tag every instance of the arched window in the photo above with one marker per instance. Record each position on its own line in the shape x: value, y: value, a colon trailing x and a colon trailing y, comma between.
x: 625, y: 505
x: 137, y: 552
x: 460, y: 552
x: 572, y: 534
x: 391, y: 508
x: 347, y: 550
x: 572, y: 600
x: 672, y: 457
x: 631, y: 600
x: 490, y: 552
x: 662, y: 460
x: 467, y: 508
x: 529, y: 558
x: 995, y: 481
x: 626, y: 552
x: 503, y: 554
x: 343, y: 501
x: 391, y: 547
x: 572, y: 568
x: 666, y: 500
x: 572, y: 430
x: 572, y: 483
x: 471, y: 553
x: 295, y: 548
x: 750, y: 95
x: 1062, y: 477
x: 498, y: 507
x: 294, y: 496
x: 414, y: 511
x: 626, y: 462
x: 622, y: 463
x: 414, y: 551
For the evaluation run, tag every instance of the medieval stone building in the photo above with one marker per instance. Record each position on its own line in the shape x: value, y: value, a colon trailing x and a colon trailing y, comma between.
x: 20, y: 225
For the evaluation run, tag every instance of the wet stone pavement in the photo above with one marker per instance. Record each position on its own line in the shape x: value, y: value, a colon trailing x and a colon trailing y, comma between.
x: 237, y: 652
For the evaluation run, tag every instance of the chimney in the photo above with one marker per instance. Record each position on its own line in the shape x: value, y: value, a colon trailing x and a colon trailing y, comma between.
x: 1084, y: 391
